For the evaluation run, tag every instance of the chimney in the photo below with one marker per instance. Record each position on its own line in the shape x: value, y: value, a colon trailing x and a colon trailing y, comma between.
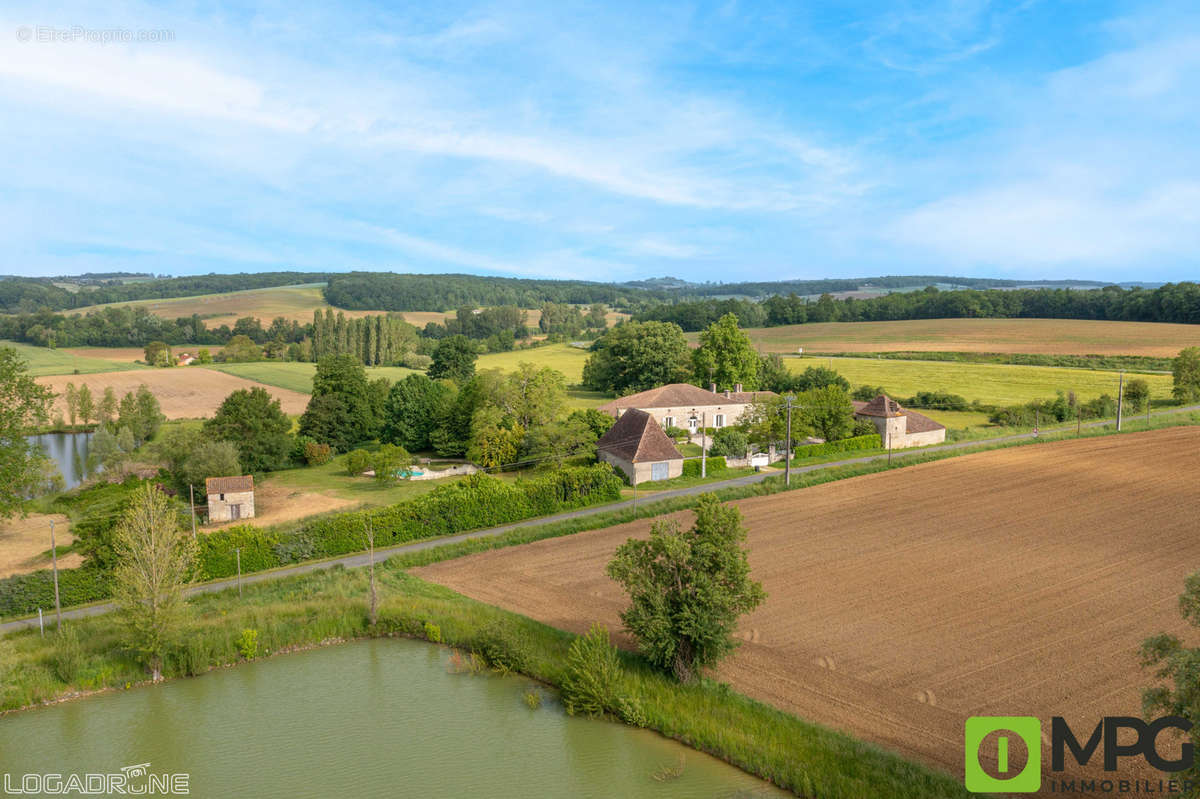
x: 737, y: 387
x: 712, y: 387
x: 726, y: 393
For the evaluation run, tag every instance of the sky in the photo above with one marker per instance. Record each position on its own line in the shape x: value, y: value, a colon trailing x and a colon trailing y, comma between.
x: 606, y: 141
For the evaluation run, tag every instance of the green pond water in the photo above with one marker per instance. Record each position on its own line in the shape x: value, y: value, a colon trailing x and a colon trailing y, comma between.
x: 382, y: 718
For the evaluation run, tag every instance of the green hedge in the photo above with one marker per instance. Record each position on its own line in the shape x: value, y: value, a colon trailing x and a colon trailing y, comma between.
x: 23, y: 594
x: 472, y: 503
x: 872, y: 441
x: 716, y: 465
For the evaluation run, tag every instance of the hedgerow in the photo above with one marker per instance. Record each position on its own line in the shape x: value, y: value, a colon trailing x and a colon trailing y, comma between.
x: 844, y: 445
x: 474, y: 502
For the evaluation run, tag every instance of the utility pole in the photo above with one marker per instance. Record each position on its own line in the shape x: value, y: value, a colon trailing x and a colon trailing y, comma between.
x: 1120, y: 400
x: 41, y: 623
x: 54, y: 564
x: 238, y: 552
x: 703, y: 445
x: 787, y: 456
x: 1037, y: 421
x: 192, y: 497
x: 1078, y: 420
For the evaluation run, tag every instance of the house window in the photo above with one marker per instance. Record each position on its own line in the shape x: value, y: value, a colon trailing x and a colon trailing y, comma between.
x: 221, y: 496
x: 719, y: 420
x: 668, y: 421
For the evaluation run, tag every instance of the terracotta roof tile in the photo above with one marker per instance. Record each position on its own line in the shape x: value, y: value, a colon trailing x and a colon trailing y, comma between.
x: 676, y: 395
x: 916, y: 422
x: 883, y: 405
x: 637, y: 438
x: 229, y: 485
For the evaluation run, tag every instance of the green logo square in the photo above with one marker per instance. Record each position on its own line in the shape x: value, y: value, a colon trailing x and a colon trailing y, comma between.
x: 1028, y: 729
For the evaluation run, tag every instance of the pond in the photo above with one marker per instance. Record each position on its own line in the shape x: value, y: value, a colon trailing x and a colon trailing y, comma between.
x: 69, y: 452
x: 380, y: 718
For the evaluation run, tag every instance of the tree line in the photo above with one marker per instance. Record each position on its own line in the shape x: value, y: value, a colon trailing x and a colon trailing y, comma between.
x: 18, y: 294
x: 1173, y: 302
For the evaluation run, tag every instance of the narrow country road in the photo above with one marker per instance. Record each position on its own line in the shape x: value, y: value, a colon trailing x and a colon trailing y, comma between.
x: 360, y: 559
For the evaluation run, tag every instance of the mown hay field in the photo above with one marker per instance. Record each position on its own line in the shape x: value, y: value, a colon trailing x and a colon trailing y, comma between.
x: 1013, y: 582
x: 185, y: 392
x: 45, y: 361
x: 993, y: 383
x: 290, y: 302
x: 1042, y: 336
x: 297, y: 376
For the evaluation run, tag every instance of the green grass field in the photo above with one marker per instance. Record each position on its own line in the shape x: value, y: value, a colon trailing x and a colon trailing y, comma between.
x: 44, y: 361
x: 298, y: 376
x: 563, y: 357
x: 331, y: 478
x: 999, y: 384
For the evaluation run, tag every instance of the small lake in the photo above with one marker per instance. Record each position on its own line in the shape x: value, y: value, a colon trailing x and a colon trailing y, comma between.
x: 69, y: 452
x: 380, y: 718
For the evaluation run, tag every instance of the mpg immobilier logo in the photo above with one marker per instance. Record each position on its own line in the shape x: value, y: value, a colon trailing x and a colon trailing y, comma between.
x: 1004, y: 753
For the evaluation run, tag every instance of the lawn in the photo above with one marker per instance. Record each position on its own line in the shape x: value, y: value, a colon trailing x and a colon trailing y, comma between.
x: 296, y: 375
x: 999, y: 384
x: 1045, y: 336
x: 331, y: 479
x: 563, y: 357
x: 44, y: 361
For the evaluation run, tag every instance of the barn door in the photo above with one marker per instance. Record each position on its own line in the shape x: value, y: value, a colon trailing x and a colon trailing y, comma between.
x: 658, y: 471
x: 235, y: 512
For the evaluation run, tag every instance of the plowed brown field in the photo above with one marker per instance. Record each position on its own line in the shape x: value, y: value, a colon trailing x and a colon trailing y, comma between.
x: 188, y: 392
x: 1012, y: 582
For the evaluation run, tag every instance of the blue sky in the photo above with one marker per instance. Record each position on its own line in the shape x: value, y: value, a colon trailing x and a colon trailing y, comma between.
x: 606, y: 141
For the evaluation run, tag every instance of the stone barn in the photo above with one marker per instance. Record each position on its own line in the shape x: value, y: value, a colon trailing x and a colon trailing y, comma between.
x: 898, y: 426
x: 636, y: 445
x: 230, y: 498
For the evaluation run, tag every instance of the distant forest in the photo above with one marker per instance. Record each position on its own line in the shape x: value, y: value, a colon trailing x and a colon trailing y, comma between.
x: 20, y: 294
x: 1174, y: 302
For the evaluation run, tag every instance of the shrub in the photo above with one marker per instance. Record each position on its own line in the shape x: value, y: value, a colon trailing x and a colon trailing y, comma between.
x: 247, y: 643
x: 216, y: 554
x: 729, y: 441
x: 316, y: 453
x: 23, y: 594
x: 938, y: 400
x: 357, y: 462
x: 502, y: 648
x: 593, y: 669
x: 675, y: 433
x: 866, y: 393
x: 433, y: 633
x: 68, y: 654
x: 715, y: 465
x: 856, y: 443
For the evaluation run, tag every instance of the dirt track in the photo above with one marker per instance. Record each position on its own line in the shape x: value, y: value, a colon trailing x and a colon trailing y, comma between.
x: 188, y: 392
x: 1013, y: 582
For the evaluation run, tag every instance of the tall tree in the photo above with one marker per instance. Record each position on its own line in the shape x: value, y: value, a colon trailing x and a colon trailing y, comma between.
x: 87, y: 405
x: 339, y: 413
x: 636, y: 356
x: 415, y: 407
x: 24, y: 404
x: 155, y: 561
x: 827, y: 412
x: 1177, y: 667
x: 453, y: 359
x: 252, y: 420
x: 687, y: 589
x: 71, y: 398
x: 1186, y: 371
x: 106, y: 411
x: 726, y: 356
x: 533, y: 396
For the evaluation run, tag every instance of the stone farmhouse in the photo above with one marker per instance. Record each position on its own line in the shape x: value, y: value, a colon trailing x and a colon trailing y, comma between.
x: 688, y: 407
x: 230, y: 498
x: 636, y: 445
x: 898, y: 426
